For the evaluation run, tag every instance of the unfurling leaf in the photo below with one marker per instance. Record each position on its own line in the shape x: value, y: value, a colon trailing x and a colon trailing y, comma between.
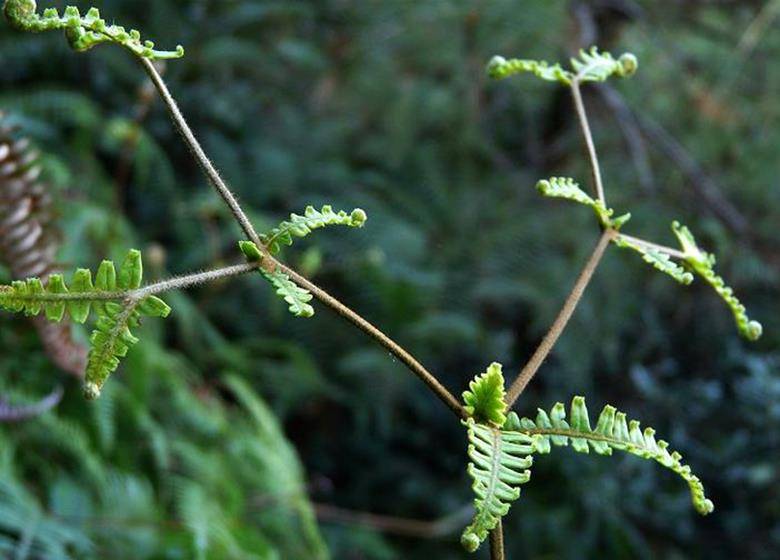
x: 565, y: 187
x: 82, y: 32
x: 301, y: 226
x: 485, y: 397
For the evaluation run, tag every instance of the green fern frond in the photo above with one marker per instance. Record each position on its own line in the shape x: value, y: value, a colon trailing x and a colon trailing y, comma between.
x: 565, y: 187
x: 611, y: 432
x: 595, y: 66
x: 301, y: 226
x: 499, y: 67
x: 82, y: 32
x: 591, y: 66
x: 54, y: 299
x: 485, y: 397
x: 296, y: 297
x: 703, y: 263
x: 500, y: 463
x: 658, y: 260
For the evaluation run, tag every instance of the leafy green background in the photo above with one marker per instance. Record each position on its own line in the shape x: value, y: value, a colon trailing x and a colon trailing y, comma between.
x: 231, y: 419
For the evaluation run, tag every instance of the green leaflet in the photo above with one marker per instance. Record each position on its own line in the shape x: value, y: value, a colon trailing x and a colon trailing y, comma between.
x: 500, y: 463
x: 565, y: 187
x: 112, y: 337
x: 657, y: 259
x: 82, y: 32
x: 611, y: 432
x: 294, y: 295
x: 703, y: 263
x: 301, y: 226
x: 110, y: 298
x: 485, y: 397
x: 591, y: 66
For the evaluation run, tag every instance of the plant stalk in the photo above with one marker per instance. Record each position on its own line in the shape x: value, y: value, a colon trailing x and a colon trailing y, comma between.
x: 589, y: 144
x: 497, y: 542
x: 549, y: 340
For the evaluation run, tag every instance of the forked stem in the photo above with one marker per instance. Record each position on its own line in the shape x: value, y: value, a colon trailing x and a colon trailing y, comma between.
x: 269, y: 261
x: 549, y: 340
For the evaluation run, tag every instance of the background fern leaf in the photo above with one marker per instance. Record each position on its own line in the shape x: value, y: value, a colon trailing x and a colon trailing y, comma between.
x: 500, y: 463
x: 612, y: 431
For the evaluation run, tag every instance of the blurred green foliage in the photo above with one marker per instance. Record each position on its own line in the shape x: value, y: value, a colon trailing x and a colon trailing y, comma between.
x: 385, y: 105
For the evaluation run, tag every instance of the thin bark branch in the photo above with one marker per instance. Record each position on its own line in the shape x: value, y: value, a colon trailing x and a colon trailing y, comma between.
x: 588, y: 136
x: 200, y: 155
x: 390, y: 345
x: 497, y: 542
x: 549, y: 340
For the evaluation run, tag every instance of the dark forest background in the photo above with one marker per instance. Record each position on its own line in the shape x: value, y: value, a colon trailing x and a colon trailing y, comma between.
x: 237, y: 431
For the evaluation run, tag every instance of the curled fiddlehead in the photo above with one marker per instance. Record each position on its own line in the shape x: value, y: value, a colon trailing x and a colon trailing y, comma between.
x: 82, y: 32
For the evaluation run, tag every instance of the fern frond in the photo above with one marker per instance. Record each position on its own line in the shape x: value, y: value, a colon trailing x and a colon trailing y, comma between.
x: 82, y: 32
x: 499, y: 67
x: 485, y: 397
x: 55, y: 298
x: 703, y: 263
x: 611, y: 432
x: 500, y: 463
x: 301, y: 226
x: 595, y: 66
x: 657, y: 259
x: 295, y: 296
x: 565, y: 187
x: 591, y: 66
x: 112, y: 337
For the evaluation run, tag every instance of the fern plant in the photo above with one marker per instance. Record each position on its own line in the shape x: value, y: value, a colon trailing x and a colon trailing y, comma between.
x: 501, y: 445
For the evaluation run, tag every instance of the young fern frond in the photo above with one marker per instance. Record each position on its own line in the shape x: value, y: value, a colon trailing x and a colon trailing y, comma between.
x: 485, y: 397
x: 591, y: 66
x: 703, y: 263
x: 565, y: 187
x: 657, y: 259
x: 297, y: 226
x: 301, y: 226
x: 500, y: 463
x: 296, y: 297
x: 112, y: 337
x: 112, y: 298
x: 82, y: 32
x: 611, y: 432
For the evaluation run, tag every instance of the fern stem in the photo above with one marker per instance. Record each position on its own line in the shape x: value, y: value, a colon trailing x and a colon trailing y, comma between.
x: 197, y: 151
x: 549, y: 340
x: 268, y: 261
x: 585, y: 127
x: 181, y: 282
x: 655, y: 246
x: 389, y: 344
x: 497, y: 542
